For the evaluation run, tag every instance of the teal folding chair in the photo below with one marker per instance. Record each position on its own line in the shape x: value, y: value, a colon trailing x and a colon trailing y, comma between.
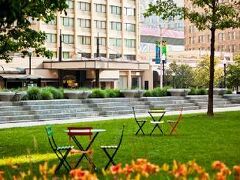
x: 140, y: 122
x: 60, y: 151
x: 113, y: 148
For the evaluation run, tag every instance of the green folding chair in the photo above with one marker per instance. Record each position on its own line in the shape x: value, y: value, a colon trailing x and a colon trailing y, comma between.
x: 113, y: 148
x: 140, y: 122
x: 60, y: 151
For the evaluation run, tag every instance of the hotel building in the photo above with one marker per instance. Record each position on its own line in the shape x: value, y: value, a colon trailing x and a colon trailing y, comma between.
x: 113, y: 25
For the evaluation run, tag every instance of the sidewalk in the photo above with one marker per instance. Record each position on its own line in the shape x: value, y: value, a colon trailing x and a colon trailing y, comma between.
x: 91, y: 119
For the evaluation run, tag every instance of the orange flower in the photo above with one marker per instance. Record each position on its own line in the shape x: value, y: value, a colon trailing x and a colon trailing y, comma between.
x: 1, y: 175
x: 117, y: 169
x: 204, y: 176
x: 127, y: 170
x: 237, y: 169
x: 79, y: 174
x: 220, y: 176
x: 218, y: 165
x: 181, y: 171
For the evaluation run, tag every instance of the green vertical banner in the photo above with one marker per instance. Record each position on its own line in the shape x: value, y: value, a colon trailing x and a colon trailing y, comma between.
x: 164, y: 48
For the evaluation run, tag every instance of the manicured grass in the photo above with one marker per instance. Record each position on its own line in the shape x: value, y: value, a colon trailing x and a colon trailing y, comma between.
x: 198, y: 138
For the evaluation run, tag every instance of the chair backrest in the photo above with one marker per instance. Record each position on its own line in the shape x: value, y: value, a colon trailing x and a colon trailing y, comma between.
x: 121, y: 138
x: 87, y: 131
x: 51, y: 138
x: 134, y: 114
x: 180, y: 114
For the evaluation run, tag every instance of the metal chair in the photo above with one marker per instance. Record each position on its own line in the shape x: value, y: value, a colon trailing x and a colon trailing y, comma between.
x: 61, y: 151
x: 174, y: 124
x: 113, y: 148
x: 140, y: 122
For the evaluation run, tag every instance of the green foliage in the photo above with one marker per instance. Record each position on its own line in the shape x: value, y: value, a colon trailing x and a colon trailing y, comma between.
x: 233, y: 74
x: 228, y: 91
x: 148, y: 93
x: 34, y: 93
x: 98, y: 93
x: 111, y: 93
x: 156, y: 92
x: 57, y: 93
x: 197, y: 91
x: 15, y: 25
x: 46, y: 94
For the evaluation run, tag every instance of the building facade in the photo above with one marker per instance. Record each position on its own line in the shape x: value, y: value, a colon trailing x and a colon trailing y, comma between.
x: 226, y: 41
x: 95, y: 44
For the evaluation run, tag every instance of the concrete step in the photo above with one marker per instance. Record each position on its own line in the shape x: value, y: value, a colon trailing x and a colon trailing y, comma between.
x: 52, y: 106
x: 11, y: 108
x: 123, y: 108
x: 5, y: 103
x: 171, y: 105
x: 99, y: 100
x: 14, y: 113
x: 50, y: 102
x: 166, y: 98
x: 220, y: 105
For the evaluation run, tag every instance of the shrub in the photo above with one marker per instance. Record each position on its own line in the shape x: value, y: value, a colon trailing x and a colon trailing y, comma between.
x: 112, y: 93
x: 98, y: 93
x: 57, y: 93
x: 201, y: 91
x: 34, y: 93
x: 228, y: 91
x: 148, y: 93
x: 158, y: 92
x: 192, y: 91
x: 46, y: 94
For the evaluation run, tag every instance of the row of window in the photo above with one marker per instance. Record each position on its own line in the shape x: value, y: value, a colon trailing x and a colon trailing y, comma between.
x: 101, y: 8
x: 219, y: 37
x: 66, y: 55
x: 86, y: 40
x: 220, y: 48
x: 86, y: 23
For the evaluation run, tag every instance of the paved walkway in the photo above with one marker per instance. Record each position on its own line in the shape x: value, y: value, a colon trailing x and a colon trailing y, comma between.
x: 38, y: 123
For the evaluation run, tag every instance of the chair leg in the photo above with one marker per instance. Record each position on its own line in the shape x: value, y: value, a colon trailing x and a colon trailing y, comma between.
x: 156, y: 126
x: 140, y: 128
x: 110, y: 158
x: 63, y: 161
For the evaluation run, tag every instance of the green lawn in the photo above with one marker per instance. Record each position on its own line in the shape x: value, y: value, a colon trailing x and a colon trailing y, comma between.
x: 198, y: 138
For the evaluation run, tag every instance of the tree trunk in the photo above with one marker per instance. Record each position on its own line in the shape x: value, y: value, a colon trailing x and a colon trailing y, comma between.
x: 211, y: 77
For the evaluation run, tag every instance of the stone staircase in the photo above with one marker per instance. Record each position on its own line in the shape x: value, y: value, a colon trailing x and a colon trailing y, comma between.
x: 41, y: 110
x: 233, y: 98
x: 170, y: 103
x: 117, y: 106
x: 218, y: 101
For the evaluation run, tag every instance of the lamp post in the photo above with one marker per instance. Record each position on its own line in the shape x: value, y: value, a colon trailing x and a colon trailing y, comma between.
x: 224, y: 72
x: 30, y: 60
x: 173, y: 78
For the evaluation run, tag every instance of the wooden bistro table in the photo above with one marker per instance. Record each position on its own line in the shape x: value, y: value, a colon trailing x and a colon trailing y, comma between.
x: 157, y: 116
x: 74, y: 132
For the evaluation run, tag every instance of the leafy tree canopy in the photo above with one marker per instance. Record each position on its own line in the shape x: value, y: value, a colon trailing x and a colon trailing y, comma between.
x: 16, y: 34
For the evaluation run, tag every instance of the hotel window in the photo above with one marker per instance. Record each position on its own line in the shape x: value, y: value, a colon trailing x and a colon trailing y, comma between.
x: 101, y: 8
x: 100, y: 24
x: 84, y: 23
x: 102, y: 41
x: 84, y: 6
x: 130, y: 27
x: 70, y: 4
x: 220, y: 36
x: 84, y: 40
x: 66, y: 55
x: 115, y: 42
x: 116, y: 26
x: 115, y: 10
x: 54, y: 54
x: 68, y: 39
x: 129, y: 11
x: 130, y: 57
x: 51, y: 38
x: 130, y: 43
x: 67, y: 21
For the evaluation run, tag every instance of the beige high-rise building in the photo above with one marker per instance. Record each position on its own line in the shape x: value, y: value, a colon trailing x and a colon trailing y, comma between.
x: 226, y: 41
x: 115, y: 25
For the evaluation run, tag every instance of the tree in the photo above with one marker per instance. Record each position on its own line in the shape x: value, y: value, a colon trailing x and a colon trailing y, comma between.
x: 201, y: 77
x: 207, y: 14
x: 233, y: 74
x: 16, y: 34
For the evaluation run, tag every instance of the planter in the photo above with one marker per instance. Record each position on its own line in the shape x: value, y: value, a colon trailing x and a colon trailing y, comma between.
x: 71, y: 94
x: 219, y: 91
x: 6, y: 96
x: 179, y: 92
x: 19, y: 95
x: 84, y: 94
x: 132, y: 93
